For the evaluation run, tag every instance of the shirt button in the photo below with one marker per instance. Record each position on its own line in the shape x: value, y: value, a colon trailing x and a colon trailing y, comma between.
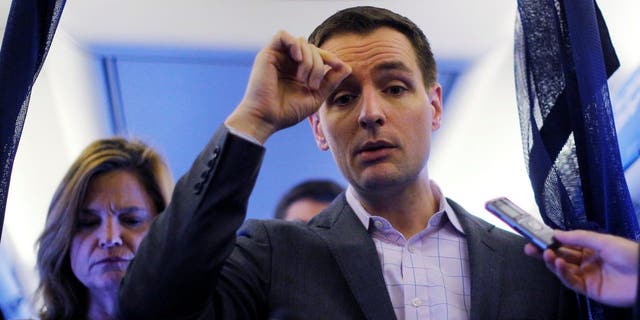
x: 416, y: 302
x: 411, y: 249
x: 378, y: 224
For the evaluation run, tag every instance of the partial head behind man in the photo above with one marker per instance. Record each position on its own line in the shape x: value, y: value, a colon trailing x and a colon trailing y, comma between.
x: 306, y: 199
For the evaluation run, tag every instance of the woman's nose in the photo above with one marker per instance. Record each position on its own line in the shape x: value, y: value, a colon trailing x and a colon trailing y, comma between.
x: 110, y: 233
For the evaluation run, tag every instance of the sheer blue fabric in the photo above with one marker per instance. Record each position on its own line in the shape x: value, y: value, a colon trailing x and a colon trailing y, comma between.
x: 30, y: 28
x: 563, y: 57
x: 568, y: 133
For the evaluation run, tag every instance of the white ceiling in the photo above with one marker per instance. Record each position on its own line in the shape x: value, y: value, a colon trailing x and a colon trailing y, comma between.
x: 457, y: 29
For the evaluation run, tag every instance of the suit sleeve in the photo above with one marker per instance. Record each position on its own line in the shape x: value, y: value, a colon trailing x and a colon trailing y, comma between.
x: 175, y: 271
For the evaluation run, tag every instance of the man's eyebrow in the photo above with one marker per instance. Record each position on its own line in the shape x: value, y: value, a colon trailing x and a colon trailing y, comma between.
x: 393, y: 65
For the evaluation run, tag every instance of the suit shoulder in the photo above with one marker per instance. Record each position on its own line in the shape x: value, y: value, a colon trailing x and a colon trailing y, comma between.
x: 256, y: 227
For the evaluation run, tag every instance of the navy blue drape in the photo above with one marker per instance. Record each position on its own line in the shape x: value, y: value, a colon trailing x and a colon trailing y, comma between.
x: 563, y: 57
x: 30, y: 28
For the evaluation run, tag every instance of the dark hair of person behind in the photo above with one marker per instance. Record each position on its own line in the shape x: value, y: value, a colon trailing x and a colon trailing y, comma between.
x: 318, y: 190
x: 63, y: 295
x: 363, y: 20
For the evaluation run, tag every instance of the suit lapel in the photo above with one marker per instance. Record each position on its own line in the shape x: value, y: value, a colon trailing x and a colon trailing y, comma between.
x: 486, y: 264
x: 356, y: 255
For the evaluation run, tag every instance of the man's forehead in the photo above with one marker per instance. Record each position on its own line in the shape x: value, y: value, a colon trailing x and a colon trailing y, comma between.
x: 344, y: 38
x: 393, y: 65
x: 383, y: 49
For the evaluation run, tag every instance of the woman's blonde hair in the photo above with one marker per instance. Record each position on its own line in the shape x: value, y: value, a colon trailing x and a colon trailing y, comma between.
x: 63, y: 295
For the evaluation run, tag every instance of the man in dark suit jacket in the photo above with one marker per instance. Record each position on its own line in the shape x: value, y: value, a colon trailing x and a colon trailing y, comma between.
x: 367, y: 81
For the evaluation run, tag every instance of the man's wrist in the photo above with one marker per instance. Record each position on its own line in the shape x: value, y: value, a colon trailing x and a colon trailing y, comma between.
x: 251, y: 128
x: 243, y: 135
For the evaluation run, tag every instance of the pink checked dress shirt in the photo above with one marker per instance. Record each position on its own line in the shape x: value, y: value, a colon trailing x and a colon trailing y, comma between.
x: 427, y: 275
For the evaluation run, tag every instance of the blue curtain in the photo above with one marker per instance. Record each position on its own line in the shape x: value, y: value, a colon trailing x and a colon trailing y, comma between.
x: 563, y: 57
x: 30, y: 28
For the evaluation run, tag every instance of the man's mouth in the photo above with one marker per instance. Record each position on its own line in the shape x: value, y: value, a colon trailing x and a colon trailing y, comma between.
x: 374, y: 150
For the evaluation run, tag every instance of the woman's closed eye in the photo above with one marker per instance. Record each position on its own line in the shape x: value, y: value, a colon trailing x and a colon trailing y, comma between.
x: 134, y: 217
x: 88, y: 221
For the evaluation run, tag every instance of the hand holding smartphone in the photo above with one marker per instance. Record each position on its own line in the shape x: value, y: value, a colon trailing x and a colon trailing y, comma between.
x: 523, y: 222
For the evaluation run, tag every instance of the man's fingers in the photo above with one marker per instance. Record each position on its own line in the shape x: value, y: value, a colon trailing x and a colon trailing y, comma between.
x: 286, y: 43
x: 531, y: 250
x: 335, y: 74
x: 581, y: 238
x: 318, y: 69
x: 571, y: 255
x: 332, y: 80
x: 333, y: 61
x: 549, y: 257
x: 305, y: 66
x: 321, y: 67
x: 570, y: 275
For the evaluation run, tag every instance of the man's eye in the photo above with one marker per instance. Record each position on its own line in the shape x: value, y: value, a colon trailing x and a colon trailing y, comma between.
x: 395, y: 90
x: 344, y: 99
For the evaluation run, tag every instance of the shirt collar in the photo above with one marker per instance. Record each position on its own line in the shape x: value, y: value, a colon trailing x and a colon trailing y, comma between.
x: 365, y: 217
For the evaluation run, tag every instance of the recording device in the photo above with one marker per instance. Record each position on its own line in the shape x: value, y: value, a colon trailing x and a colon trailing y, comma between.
x: 523, y: 222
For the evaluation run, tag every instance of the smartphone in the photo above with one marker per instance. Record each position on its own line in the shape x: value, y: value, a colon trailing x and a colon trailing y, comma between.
x: 524, y: 223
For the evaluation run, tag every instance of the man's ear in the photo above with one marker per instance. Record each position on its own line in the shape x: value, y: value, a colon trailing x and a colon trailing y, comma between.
x: 435, y: 100
x: 321, y: 140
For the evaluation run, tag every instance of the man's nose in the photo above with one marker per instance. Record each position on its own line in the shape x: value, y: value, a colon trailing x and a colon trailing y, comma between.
x: 371, y: 112
x: 110, y: 233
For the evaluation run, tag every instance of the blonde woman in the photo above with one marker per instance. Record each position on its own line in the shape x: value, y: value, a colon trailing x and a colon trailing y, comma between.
x: 98, y: 216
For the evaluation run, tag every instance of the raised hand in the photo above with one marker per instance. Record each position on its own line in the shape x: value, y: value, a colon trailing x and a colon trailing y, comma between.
x: 289, y: 81
x: 600, y: 266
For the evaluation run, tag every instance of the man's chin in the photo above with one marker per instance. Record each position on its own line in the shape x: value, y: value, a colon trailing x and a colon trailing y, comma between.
x: 378, y: 181
x: 385, y: 178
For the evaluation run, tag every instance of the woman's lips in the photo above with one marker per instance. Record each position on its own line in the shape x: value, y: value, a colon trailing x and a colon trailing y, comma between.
x: 111, y: 261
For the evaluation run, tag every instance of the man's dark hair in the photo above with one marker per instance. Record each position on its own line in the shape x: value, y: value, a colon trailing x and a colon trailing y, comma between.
x: 363, y: 20
x: 317, y: 190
